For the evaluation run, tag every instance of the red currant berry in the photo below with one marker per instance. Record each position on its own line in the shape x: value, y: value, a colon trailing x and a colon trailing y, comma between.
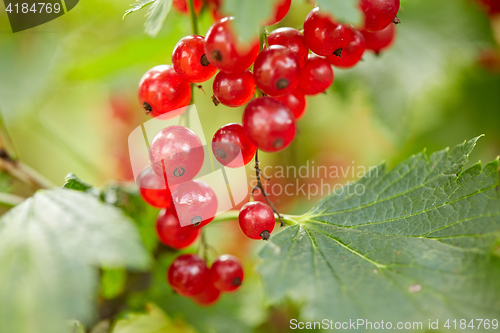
x: 296, y: 102
x: 176, y: 153
x: 188, y: 275
x: 190, y: 61
x: 256, y: 220
x: 491, y: 6
x: 224, y: 51
x: 182, y: 6
x: 195, y: 203
x: 276, y: 70
x: 291, y: 39
x: 162, y: 90
x: 380, y: 40
x: 154, y: 189
x: 323, y: 34
x: 234, y: 89
x: 378, y: 13
x: 171, y: 233
x: 316, y: 76
x: 352, y: 53
x: 208, y: 297
x: 226, y: 273
x: 269, y: 124
x: 279, y: 12
x: 231, y: 147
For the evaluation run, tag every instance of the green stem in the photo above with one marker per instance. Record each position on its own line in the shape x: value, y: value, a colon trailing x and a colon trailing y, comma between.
x: 10, y: 200
x: 194, y: 18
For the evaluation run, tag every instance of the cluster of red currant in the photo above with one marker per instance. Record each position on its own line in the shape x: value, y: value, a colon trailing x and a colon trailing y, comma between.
x: 284, y: 72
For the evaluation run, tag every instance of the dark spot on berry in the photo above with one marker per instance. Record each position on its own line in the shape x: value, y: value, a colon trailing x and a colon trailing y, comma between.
x: 265, y: 235
x: 338, y: 53
x: 196, y: 220
x: 147, y: 107
x: 278, y: 143
x: 236, y: 281
x: 282, y: 83
x: 215, y: 100
x: 396, y: 20
x: 178, y: 172
x: 216, y: 55
x: 220, y: 153
x: 204, y: 60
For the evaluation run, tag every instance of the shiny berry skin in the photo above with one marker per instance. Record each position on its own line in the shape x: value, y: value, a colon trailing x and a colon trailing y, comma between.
x: 177, y: 153
x: 231, y: 147
x: 295, y: 101
x: 378, y: 13
x: 162, y: 90
x: 280, y: 10
x: 171, y: 233
x: 208, y: 297
x: 226, y: 273
x: 154, y: 190
x: 189, y: 59
x: 188, y: 275
x: 195, y: 204
x: 323, y: 34
x: 316, y: 76
x: 234, y: 89
x: 182, y: 6
x: 276, y: 70
x: 224, y: 50
x: 352, y: 53
x: 380, y: 40
x: 269, y: 124
x: 256, y: 220
x: 293, y: 40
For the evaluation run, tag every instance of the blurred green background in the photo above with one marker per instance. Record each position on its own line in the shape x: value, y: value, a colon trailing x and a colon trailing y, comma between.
x: 68, y: 97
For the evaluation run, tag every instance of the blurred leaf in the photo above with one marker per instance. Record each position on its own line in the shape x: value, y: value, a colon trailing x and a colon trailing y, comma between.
x: 153, y: 321
x: 248, y: 15
x: 50, y: 245
x: 138, y: 6
x: 5, y: 182
x: 76, y: 327
x: 414, y: 244
x: 344, y: 10
x: 156, y: 16
x: 112, y: 282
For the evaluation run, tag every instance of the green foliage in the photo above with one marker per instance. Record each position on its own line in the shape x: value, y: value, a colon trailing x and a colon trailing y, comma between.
x: 344, y: 10
x: 414, y: 244
x: 5, y: 183
x: 51, y: 245
x: 112, y: 282
x: 156, y: 15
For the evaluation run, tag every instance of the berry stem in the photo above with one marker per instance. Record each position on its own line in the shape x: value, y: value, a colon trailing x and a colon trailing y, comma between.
x: 194, y: 18
x: 259, y: 186
x: 232, y: 215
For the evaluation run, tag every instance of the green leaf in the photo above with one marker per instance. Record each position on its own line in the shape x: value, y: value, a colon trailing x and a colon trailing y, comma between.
x: 112, y: 282
x: 153, y: 321
x: 248, y: 15
x: 343, y: 10
x: 72, y: 182
x: 413, y: 243
x: 49, y: 249
x: 140, y: 4
x: 156, y: 15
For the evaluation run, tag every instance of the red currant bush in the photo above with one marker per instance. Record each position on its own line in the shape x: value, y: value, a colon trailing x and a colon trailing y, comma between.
x: 316, y: 76
x: 269, y: 124
x: 277, y: 70
x: 256, y: 220
x: 176, y: 153
x: 226, y: 273
x: 291, y: 39
x: 171, y: 233
x: 280, y: 10
x: 295, y: 101
x: 323, y: 34
x: 190, y: 61
x: 188, y: 275
x: 380, y: 40
x: 225, y: 52
x: 154, y: 190
x: 352, y: 54
x: 162, y: 90
x: 182, y: 6
x: 234, y: 89
x: 195, y: 203
x: 231, y: 147
x: 378, y: 13
x: 208, y: 297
